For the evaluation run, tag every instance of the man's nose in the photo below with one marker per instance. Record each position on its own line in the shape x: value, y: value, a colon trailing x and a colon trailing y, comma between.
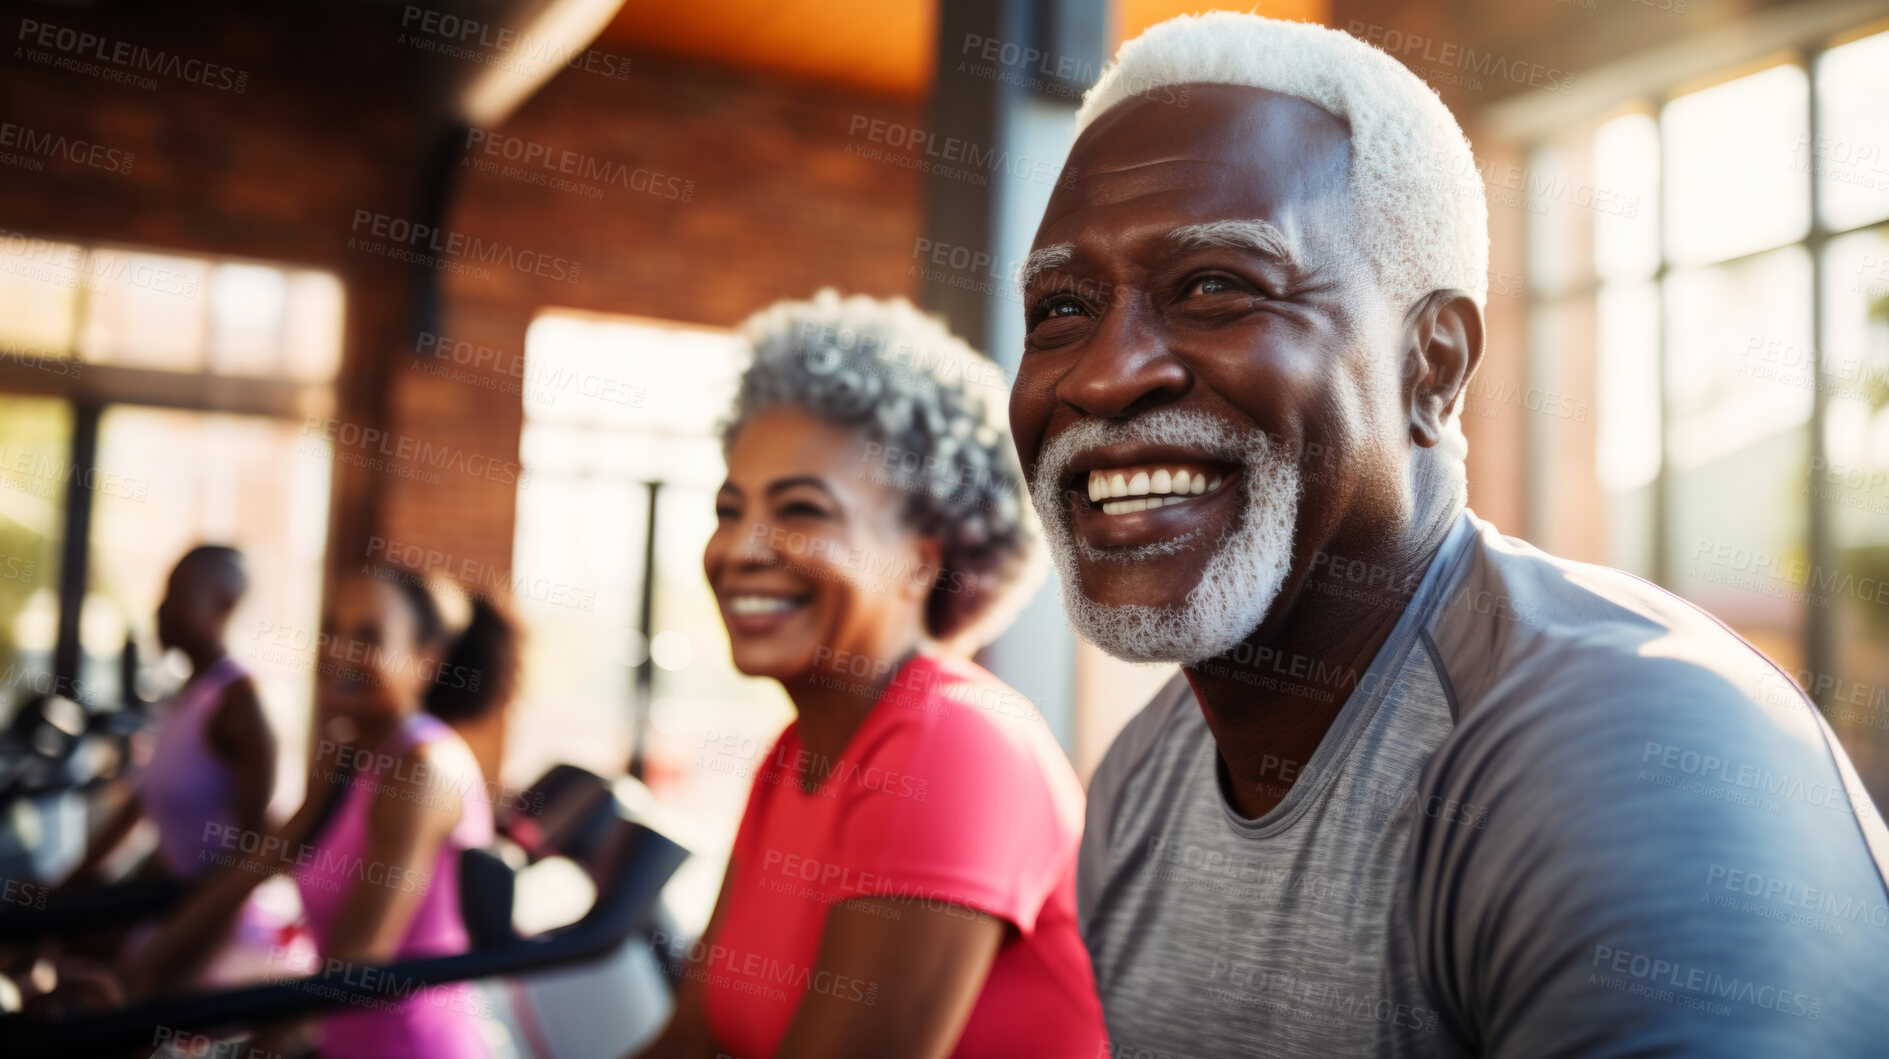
x: 1125, y: 368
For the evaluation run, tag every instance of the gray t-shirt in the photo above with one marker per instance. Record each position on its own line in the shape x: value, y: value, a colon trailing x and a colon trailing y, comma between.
x: 1563, y: 813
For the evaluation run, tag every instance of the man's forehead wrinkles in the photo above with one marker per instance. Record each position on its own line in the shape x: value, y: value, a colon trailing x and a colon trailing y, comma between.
x: 1106, y: 186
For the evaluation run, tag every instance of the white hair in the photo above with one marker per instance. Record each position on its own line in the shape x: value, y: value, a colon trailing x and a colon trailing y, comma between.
x: 1241, y: 578
x: 1414, y: 182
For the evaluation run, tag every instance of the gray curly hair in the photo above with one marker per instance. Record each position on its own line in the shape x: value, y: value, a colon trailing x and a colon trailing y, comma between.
x: 929, y: 409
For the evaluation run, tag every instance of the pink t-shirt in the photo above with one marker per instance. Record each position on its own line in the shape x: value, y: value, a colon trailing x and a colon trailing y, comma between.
x: 952, y: 792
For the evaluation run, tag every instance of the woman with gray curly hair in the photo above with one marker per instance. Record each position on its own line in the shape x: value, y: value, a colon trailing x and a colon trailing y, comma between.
x: 903, y: 879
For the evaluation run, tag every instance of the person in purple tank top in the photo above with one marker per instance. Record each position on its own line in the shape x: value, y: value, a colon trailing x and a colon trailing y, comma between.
x: 379, y: 875
x: 214, y: 764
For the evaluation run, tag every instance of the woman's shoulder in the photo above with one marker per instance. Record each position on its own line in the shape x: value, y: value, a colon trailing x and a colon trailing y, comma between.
x: 944, y: 710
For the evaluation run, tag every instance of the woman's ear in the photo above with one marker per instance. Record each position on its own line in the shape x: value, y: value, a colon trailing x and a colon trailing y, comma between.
x: 927, y: 570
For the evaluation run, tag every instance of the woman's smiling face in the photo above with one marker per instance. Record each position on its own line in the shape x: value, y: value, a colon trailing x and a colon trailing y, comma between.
x: 811, y: 562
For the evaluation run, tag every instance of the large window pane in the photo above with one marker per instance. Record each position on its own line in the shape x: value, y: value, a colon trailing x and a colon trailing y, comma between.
x: 35, y: 438
x: 609, y: 406
x: 1626, y: 167
x: 171, y: 480
x: 247, y: 304
x: 39, y: 291
x: 1558, y: 200
x: 1739, y: 392
x: 1627, y: 420
x: 1853, y: 484
x: 1738, y: 366
x: 312, y: 327
x: 1727, y: 192
x: 145, y: 311
x: 1851, y: 154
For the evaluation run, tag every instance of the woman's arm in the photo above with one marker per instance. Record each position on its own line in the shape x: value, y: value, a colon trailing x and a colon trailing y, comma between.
x: 240, y: 736
x: 412, y: 812
x: 894, y: 977
x: 197, y: 928
x: 122, y: 821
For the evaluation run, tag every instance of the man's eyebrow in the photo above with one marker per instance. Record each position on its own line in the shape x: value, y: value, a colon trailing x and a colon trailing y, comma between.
x: 1258, y: 236
x: 1042, y: 260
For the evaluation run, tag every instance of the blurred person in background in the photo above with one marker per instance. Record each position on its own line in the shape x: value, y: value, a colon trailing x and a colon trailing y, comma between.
x: 214, y: 760
x: 211, y: 773
x: 1419, y: 789
x: 379, y: 875
x: 901, y: 883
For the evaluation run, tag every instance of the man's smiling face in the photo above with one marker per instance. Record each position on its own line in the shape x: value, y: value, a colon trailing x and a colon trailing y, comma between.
x: 1205, y: 346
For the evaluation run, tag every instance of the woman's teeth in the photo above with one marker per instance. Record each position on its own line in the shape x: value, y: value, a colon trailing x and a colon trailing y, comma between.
x: 1120, y: 492
x: 749, y: 605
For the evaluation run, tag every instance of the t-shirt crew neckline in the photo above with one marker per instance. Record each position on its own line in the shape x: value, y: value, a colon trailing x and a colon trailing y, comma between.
x: 1320, y: 772
x: 874, y: 715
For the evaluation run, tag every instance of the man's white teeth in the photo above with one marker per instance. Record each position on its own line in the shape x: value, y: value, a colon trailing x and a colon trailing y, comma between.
x: 1123, y: 507
x: 1159, y: 487
x: 745, y: 605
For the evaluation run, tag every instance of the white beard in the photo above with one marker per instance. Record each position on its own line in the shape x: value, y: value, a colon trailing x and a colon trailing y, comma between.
x: 1241, y: 579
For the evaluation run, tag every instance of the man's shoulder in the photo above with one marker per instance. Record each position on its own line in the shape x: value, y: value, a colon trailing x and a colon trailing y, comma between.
x: 1520, y: 630
x: 1584, y: 689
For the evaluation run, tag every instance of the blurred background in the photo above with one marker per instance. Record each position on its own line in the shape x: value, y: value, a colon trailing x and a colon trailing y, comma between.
x: 213, y: 328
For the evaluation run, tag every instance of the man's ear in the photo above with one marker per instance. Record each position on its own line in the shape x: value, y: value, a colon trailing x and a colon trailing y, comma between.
x: 1442, y: 347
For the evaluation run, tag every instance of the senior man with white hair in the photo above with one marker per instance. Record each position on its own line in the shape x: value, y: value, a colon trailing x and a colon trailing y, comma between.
x: 1419, y: 788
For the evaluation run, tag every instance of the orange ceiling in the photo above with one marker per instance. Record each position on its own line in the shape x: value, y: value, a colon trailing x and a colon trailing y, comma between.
x: 879, y: 46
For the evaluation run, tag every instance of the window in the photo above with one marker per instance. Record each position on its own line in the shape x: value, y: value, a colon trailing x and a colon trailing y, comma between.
x: 150, y: 401
x: 1739, y: 359
x: 611, y: 405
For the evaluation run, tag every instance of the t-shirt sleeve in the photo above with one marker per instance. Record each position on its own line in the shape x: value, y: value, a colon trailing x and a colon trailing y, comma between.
x: 1669, y: 868
x: 952, y: 810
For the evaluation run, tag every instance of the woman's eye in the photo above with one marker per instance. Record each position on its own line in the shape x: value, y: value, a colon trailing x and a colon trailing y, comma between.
x: 723, y: 512
x: 801, y: 509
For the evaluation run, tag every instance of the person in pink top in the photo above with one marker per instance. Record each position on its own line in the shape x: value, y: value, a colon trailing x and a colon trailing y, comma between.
x: 215, y: 758
x: 379, y: 880
x: 902, y: 881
